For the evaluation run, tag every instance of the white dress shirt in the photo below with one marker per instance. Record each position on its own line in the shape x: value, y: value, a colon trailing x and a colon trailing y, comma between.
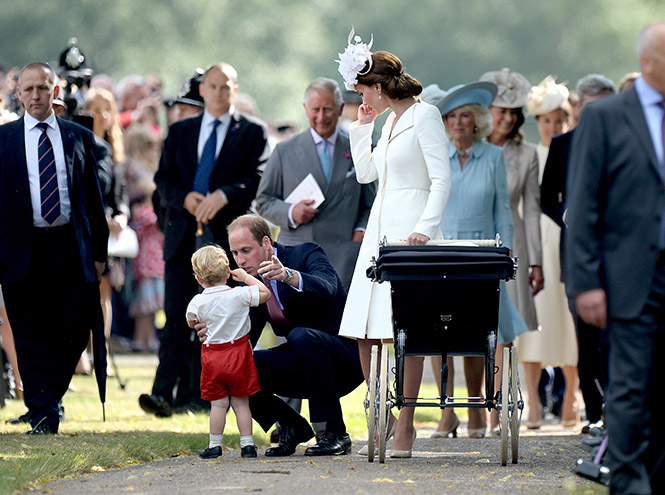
x: 32, y: 134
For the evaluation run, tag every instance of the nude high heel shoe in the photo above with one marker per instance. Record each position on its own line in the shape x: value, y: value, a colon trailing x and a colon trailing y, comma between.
x: 452, y: 430
x: 404, y: 454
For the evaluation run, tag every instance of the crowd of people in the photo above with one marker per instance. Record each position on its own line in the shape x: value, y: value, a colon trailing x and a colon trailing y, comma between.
x: 279, y: 227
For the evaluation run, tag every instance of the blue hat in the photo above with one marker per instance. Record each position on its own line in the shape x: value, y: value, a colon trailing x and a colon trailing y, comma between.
x: 480, y: 93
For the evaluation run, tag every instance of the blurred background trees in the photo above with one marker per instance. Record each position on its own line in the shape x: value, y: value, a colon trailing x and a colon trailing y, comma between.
x: 278, y: 46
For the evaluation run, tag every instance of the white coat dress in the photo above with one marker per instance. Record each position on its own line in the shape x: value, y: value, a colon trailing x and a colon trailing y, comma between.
x: 413, y: 173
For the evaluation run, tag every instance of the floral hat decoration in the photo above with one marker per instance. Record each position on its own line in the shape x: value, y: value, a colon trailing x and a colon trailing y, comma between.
x: 353, y: 60
x: 547, y: 96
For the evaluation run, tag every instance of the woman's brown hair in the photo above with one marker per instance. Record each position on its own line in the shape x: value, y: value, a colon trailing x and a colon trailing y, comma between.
x: 387, y: 70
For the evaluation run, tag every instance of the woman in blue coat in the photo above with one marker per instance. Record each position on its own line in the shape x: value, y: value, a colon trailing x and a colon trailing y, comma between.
x: 478, y: 208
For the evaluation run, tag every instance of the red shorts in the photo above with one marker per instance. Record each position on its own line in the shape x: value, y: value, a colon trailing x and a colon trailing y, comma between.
x: 228, y: 369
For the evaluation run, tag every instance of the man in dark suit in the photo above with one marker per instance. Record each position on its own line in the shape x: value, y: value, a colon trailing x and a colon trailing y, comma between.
x: 616, y: 259
x: 591, y: 341
x: 314, y: 363
x: 53, y: 242
x: 207, y: 176
x: 338, y: 224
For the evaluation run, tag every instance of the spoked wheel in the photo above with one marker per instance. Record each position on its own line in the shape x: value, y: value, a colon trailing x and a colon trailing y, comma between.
x: 516, y: 405
x: 383, y: 404
x: 505, y: 408
x: 371, y: 410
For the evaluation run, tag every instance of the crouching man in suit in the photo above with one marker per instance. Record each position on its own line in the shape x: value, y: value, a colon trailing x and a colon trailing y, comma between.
x: 314, y: 363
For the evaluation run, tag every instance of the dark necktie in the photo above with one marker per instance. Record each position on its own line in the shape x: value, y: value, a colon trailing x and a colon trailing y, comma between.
x: 324, y: 156
x: 207, y: 162
x: 48, y: 180
x: 662, y: 134
x: 279, y: 322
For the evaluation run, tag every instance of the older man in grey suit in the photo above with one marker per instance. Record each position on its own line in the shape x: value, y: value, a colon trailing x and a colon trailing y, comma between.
x: 338, y: 223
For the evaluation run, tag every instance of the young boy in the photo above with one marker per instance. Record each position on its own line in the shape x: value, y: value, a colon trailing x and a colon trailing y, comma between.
x: 226, y: 355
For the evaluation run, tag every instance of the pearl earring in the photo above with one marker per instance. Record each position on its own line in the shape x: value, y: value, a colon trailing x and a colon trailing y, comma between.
x: 380, y: 97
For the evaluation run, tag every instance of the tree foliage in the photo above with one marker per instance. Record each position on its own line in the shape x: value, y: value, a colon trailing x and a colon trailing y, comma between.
x: 279, y: 46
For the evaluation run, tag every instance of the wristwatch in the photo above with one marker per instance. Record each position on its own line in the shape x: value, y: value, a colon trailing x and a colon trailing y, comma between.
x: 289, y: 275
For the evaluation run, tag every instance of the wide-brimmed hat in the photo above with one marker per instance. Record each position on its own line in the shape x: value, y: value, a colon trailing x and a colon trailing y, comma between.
x: 513, y: 88
x: 547, y: 96
x: 479, y: 93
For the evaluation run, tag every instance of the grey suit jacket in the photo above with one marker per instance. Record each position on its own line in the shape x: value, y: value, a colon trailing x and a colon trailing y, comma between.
x: 345, y: 208
x: 615, y: 197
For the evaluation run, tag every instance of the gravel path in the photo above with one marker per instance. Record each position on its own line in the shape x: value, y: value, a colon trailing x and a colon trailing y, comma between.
x: 462, y: 465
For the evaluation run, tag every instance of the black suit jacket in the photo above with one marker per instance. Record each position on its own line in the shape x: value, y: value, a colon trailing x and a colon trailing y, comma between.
x: 321, y: 302
x: 553, y: 188
x: 16, y: 223
x: 615, y: 203
x: 236, y: 173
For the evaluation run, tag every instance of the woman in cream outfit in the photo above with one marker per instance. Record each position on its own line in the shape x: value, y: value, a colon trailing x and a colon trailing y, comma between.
x: 411, y: 165
x: 556, y: 343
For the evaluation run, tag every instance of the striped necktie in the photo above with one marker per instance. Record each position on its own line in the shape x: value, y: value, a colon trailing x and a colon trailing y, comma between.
x: 207, y: 162
x: 48, y: 180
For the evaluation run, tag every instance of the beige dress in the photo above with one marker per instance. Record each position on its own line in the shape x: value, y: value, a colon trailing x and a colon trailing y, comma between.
x: 556, y: 343
x: 413, y: 173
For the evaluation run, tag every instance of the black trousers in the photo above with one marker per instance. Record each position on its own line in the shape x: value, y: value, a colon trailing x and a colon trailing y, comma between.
x: 592, y: 348
x: 636, y: 448
x: 311, y: 365
x: 178, y: 375
x: 52, y: 312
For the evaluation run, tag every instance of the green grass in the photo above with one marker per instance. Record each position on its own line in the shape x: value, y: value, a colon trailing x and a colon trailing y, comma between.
x: 129, y: 436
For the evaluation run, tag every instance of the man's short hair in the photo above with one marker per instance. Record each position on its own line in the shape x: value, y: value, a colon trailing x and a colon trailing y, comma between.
x: 328, y: 85
x: 256, y: 225
x: 594, y: 84
x: 227, y: 69
x: 210, y: 264
x: 52, y: 76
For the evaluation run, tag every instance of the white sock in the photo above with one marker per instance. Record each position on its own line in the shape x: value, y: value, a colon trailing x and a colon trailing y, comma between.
x: 246, y: 440
x: 215, y: 441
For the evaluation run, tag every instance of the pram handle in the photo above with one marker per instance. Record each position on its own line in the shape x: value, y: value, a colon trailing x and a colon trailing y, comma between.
x: 496, y: 242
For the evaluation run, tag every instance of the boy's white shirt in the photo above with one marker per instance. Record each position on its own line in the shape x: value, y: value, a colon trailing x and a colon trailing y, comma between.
x: 225, y: 311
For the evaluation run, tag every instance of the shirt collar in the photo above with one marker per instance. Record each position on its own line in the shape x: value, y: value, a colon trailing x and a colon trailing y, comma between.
x: 31, y: 122
x: 332, y: 139
x: 647, y: 95
x: 476, y: 149
x: 208, y: 119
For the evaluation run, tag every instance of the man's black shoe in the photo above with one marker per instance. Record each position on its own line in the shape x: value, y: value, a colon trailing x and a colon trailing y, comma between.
x: 153, y: 404
x: 23, y: 418
x: 43, y: 429
x: 331, y: 444
x: 274, y: 434
x: 289, y: 438
x: 248, y: 451
x: 211, y: 453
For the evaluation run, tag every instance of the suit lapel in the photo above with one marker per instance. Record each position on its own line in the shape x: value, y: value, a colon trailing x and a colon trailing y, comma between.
x: 68, y: 149
x: 638, y: 123
x: 232, y: 136
x: 19, y: 130
x: 308, y: 159
x: 405, y: 122
x: 341, y: 163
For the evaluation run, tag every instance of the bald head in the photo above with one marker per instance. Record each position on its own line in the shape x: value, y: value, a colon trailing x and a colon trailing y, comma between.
x: 651, y: 52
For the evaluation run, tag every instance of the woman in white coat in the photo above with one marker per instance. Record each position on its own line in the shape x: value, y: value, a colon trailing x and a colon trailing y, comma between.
x: 411, y: 164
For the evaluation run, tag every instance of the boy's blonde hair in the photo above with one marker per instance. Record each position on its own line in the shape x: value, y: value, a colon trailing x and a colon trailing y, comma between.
x: 210, y: 264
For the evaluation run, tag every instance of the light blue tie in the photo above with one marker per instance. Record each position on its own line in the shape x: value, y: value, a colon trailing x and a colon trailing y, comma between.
x: 207, y: 162
x: 324, y: 156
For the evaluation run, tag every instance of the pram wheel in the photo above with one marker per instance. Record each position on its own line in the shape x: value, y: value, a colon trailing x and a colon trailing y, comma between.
x: 505, y: 408
x: 377, y: 405
x: 370, y: 403
x: 516, y: 405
